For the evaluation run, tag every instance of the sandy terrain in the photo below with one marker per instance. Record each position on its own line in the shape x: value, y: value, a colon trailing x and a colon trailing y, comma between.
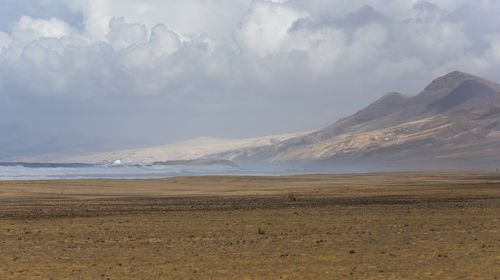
x: 358, y: 226
x: 185, y: 150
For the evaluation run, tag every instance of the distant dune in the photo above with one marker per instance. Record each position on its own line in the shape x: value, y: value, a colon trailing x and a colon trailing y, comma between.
x: 185, y: 150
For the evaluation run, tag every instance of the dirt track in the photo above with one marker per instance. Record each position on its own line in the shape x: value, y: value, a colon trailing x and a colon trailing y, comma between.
x: 380, y: 226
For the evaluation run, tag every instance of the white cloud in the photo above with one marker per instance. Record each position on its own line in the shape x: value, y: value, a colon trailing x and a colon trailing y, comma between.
x: 321, y: 46
x: 310, y: 62
x: 147, y: 47
x: 216, y: 17
x: 5, y: 40
x: 367, y: 46
x: 164, y: 41
x: 494, y: 52
x: 122, y: 35
x: 433, y: 40
x: 28, y: 29
x: 266, y: 25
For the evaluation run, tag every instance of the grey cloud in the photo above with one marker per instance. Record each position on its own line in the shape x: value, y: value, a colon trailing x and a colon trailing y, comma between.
x: 278, y: 67
x: 366, y: 15
x: 426, y: 7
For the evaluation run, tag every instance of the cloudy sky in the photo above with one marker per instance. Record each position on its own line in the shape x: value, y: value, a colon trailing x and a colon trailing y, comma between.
x: 87, y: 75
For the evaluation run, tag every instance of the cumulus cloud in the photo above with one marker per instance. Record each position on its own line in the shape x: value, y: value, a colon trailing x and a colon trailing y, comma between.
x: 190, y: 17
x: 229, y: 68
x: 122, y: 35
x: 30, y: 29
x: 4, y: 40
x: 266, y: 25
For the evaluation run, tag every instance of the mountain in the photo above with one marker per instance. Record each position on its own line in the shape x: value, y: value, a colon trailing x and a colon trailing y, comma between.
x: 453, y: 122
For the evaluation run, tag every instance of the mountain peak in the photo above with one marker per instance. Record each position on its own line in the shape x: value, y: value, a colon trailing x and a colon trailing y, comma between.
x: 458, y: 74
x: 454, y: 122
x: 443, y: 85
x: 450, y: 80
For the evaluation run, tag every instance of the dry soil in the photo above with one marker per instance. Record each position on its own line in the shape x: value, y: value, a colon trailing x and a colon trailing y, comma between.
x: 439, y: 225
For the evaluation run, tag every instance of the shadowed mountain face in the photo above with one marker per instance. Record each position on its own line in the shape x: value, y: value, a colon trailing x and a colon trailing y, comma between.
x: 466, y: 91
x: 454, y: 122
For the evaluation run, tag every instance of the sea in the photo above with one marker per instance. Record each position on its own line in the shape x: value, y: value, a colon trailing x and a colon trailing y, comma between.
x: 52, y: 171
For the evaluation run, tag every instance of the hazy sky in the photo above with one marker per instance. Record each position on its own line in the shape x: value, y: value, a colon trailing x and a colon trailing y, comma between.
x: 94, y: 74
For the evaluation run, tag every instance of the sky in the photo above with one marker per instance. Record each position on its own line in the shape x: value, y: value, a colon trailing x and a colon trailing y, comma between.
x: 90, y: 75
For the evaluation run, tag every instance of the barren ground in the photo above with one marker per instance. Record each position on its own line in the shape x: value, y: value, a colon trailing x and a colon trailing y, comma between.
x: 353, y: 226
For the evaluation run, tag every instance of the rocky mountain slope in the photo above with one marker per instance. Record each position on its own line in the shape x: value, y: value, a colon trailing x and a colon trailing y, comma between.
x: 453, y: 122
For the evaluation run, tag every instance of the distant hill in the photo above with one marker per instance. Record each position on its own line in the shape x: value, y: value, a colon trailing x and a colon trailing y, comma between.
x: 184, y: 151
x: 453, y: 122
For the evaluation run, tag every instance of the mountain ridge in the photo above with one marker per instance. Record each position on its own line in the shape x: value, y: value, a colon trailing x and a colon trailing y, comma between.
x: 456, y: 114
x: 453, y: 122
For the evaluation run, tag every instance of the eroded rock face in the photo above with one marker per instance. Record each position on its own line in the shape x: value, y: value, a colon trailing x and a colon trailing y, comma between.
x: 455, y: 119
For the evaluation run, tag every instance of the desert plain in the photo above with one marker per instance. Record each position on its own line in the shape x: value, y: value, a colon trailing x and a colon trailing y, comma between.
x: 404, y: 225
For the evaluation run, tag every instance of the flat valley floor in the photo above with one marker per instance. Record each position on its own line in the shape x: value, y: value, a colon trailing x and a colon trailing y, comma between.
x: 418, y: 225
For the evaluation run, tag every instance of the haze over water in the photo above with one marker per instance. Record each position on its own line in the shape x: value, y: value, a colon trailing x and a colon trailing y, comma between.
x: 43, y: 171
